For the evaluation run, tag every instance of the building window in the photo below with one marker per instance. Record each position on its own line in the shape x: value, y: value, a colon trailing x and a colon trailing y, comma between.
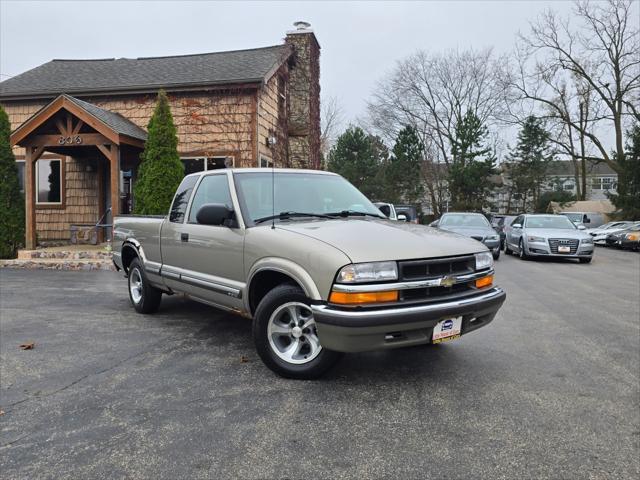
x: 569, y: 186
x: 49, y: 182
x: 199, y: 164
x: 595, y: 183
x: 20, y: 165
x: 607, y: 183
x: 265, y: 162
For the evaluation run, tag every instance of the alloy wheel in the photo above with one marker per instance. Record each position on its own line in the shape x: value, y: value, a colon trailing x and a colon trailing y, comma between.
x: 292, y: 333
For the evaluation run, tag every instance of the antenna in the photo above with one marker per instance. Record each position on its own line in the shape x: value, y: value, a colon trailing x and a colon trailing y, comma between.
x: 273, y: 196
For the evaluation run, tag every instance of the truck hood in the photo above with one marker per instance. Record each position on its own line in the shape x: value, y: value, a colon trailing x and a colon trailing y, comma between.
x: 372, y: 240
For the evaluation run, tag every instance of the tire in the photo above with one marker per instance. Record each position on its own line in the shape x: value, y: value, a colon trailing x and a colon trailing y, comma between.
x: 144, y: 297
x: 521, y: 253
x: 507, y: 250
x: 496, y: 254
x: 290, y: 351
x: 585, y: 260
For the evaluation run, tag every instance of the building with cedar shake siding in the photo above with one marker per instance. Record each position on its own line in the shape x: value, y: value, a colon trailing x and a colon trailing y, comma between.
x: 79, y: 126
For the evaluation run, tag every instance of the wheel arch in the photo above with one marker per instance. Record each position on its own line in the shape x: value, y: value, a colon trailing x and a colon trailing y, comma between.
x: 269, y: 273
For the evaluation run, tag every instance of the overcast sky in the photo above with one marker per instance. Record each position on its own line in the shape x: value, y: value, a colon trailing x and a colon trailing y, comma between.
x: 360, y: 40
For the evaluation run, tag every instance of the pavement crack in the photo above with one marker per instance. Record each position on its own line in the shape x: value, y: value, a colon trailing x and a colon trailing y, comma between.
x: 84, y: 377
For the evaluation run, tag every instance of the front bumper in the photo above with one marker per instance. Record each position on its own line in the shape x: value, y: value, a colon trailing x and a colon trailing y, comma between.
x: 542, y: 250
x: 358, y: 330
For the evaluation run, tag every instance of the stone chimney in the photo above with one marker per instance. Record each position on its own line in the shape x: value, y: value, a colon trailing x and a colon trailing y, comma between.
x: 304, y: 98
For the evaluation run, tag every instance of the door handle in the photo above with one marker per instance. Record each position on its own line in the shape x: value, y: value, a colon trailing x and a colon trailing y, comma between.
x: 184, y: 237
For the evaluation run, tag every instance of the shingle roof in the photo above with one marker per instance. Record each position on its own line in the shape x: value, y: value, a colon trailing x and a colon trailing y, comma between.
x: 566, y: 168
x: 113, y: 120
x: 125, y: 74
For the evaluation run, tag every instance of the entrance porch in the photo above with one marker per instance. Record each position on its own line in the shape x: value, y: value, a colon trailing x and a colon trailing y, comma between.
x: 80, y: 165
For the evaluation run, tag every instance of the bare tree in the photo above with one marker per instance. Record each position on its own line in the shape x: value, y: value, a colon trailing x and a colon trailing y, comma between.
x: 331, y: 122
x: 600, y: 55
x: 433, y: 92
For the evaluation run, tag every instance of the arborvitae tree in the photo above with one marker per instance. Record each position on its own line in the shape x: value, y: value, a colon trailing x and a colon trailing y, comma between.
x: 355, y: 158
x: 529, y: 160
x: 627, y: 198
x: 161, y: 170
x: 472, y: 166
x: 11, y: 200
x: 404, y: 169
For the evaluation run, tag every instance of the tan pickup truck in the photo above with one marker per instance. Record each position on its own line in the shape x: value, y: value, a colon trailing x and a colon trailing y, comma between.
x: 315, y: 264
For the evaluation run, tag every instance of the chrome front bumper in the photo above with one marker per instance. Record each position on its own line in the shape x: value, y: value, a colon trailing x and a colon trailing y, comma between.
x: 360, y: 329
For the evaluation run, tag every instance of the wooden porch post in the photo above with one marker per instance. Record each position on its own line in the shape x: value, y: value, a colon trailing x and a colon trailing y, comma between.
x: 30, y: 200
x: 30, y: 158
x: 114, y: 160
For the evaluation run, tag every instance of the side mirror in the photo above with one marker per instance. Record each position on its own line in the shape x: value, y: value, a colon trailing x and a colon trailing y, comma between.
x: 581, y: 227
x: 402, y: 218
x: 587, y: 220
x: 214, y: 214
x: 434, y: 224
x: 516, y: 225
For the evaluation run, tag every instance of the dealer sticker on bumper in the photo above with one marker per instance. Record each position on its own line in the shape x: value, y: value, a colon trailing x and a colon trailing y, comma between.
x: 448, y: 329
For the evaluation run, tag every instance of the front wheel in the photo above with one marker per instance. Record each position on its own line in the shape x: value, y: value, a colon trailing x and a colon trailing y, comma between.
x: 286, y: 338
x: 144, y: 297
x: 521, y: 253
x: 496, y: 254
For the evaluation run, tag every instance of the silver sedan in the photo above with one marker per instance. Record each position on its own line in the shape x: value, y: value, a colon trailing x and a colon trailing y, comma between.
x: 548, y: 236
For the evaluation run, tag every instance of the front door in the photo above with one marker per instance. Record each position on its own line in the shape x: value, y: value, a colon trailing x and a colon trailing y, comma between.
x: 209, y: 259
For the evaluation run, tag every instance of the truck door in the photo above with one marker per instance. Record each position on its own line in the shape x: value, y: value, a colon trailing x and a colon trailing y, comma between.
x: 206, y: 260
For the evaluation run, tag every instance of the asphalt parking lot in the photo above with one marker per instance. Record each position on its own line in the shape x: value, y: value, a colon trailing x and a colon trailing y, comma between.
x: 551, y: 389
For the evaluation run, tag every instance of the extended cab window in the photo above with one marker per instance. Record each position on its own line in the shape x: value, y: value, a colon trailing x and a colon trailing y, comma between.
x: 180, y: 201
x: 212, y: 189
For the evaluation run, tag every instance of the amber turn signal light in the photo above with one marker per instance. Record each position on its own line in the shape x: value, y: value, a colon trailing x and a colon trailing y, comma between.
x: 484, y: 281
x: 347, y: 298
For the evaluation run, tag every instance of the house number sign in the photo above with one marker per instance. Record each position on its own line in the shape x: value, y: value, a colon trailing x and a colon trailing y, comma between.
x: 75, y: 139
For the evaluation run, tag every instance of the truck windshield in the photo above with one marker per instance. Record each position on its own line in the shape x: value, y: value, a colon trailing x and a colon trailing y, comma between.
x: 308, y: 193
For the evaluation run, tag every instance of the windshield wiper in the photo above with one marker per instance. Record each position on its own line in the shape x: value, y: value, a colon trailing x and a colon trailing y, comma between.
x: 286, y: 215
x: 352, y: 213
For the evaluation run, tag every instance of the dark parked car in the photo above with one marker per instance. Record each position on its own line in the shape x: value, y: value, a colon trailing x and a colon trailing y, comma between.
x: 474, y: 225
x: 409, y: 211
x: 501, y: 224
x: 629, y: 238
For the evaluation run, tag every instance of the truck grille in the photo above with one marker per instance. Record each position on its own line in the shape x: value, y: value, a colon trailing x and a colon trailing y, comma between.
x: 554, y: 243
x: 414, y: 270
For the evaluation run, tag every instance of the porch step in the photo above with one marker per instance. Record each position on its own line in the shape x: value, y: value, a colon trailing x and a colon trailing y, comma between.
x: 93, y: 254
x: 59, y: 264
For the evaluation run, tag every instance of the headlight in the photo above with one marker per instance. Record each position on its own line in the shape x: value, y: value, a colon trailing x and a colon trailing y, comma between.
x: 484, y: 260
x: 632, y: 236
x: 368, y: 272
x: 536, y: 240
x: 587, y: 240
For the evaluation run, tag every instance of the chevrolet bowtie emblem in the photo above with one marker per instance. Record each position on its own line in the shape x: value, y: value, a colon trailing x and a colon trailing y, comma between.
x: 447, y: 281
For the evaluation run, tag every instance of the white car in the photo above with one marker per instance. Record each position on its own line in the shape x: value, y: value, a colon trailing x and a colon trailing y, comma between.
x: 599, y: 234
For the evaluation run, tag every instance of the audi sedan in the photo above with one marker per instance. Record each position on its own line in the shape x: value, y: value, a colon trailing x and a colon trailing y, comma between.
x: 548, y: 236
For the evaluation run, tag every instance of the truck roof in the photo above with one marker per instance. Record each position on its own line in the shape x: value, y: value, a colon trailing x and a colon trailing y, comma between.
x: 266, y: 170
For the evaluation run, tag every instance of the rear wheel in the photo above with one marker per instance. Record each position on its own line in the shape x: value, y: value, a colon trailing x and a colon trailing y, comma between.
x: 144, y: 297
x: 507, y: 250
x: 286, y: 338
